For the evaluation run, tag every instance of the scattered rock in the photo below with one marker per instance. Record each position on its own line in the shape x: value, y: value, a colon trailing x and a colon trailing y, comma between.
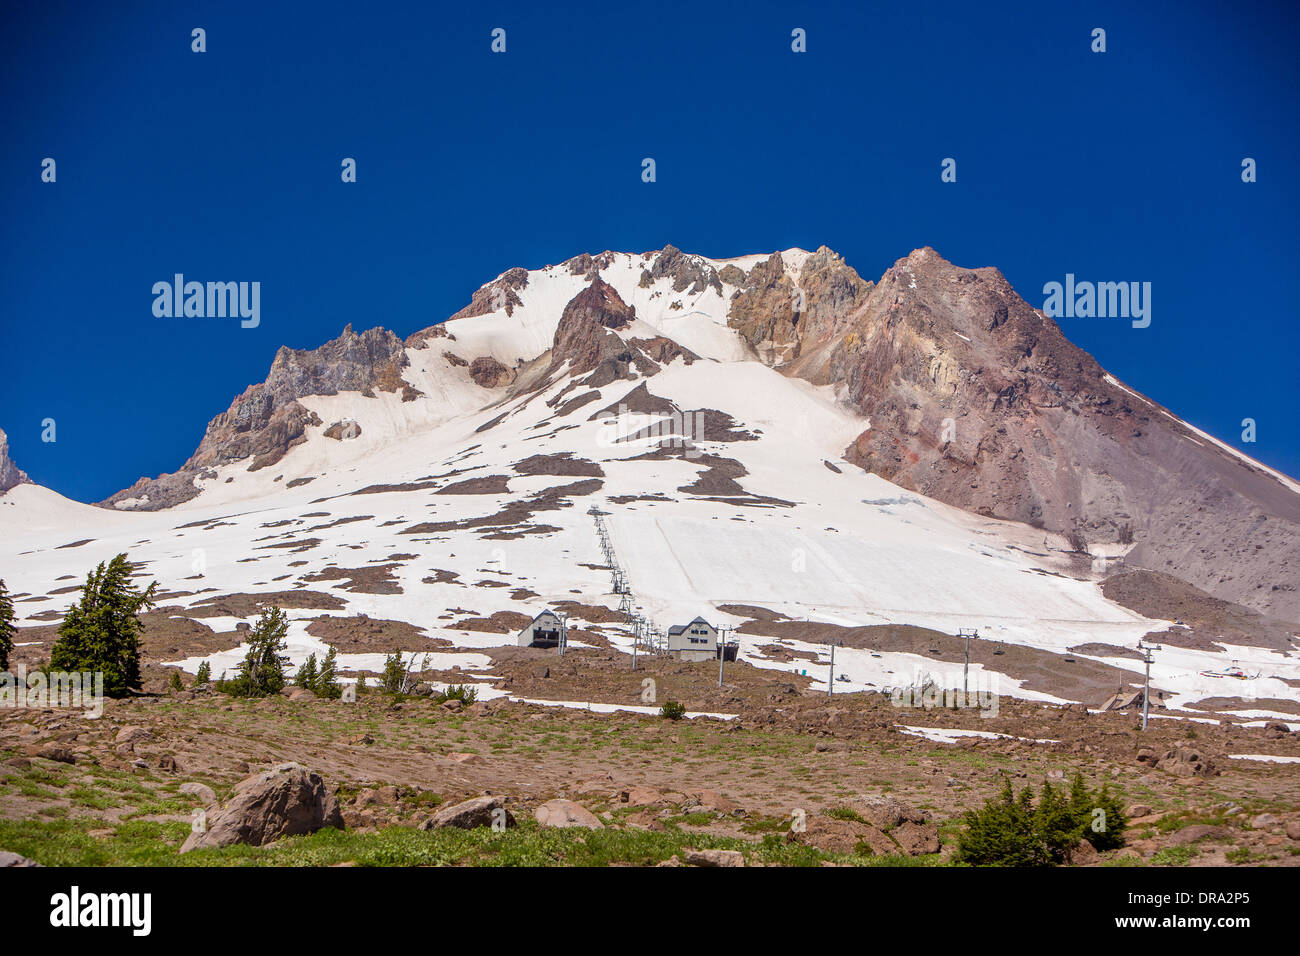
x: 206, y: 794
x: 477, y: 812
x: 916, y: 839
x: 1197, y: 832
x: 566, y: 813
x: 13, y: 859
x: 1083, y: 854
x: 56, y: 753
x: 641, y: 796
x: 285, y: 801
x: 1186, y: 762
x: 715, y: 858
x: 133, y: 735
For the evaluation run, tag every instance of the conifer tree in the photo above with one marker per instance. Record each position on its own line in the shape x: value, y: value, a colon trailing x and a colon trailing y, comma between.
x: 307, y: 676
x: 327, y: 681
x: 204, y: 674
x: 7, y: 629
x: 261, y: 673
x: 101, y: 633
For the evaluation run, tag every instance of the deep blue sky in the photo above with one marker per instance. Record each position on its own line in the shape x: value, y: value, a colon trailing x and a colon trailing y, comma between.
x: 225, y: 166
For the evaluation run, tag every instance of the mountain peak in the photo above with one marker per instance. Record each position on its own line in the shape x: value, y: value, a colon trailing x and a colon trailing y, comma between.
x: 10, y: 474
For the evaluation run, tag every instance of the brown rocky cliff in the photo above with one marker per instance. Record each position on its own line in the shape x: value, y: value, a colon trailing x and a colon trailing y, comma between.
x: 977, y: 399
x: 10, y: 474
x: 267, y: 420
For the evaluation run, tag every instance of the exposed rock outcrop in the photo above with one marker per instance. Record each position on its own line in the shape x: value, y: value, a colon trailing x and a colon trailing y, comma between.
x: 10, y: 474
x: 489, y: 373
x: 267, y: 420
x: 287, y: 801
x: 978, y: 399
x: 501, y: 293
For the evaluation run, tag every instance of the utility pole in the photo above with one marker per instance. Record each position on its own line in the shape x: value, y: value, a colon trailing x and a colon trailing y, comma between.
x: 830, y: 678
x: 564, y: 632
x: 968, y: 633
x: 1147, y: 658
x: 636, y: 638
x: 722, y: 652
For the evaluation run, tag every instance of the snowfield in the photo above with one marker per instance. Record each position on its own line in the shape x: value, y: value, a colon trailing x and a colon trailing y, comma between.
x: 805, y: 541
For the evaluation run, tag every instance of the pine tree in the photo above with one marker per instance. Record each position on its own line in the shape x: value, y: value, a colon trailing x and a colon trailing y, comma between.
x: 175, y: 682
x: 393, y: 679
x: 7, y: 629
x: 327, y: 681
x: 101, y: 633
x: 261, y: 673
x: 204, y: 674
x: 307, y: 676
x: 1003, y: 833
x: 1059, y: 826
x: 1110, y: 832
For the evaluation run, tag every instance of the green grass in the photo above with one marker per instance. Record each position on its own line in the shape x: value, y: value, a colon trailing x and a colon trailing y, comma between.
x: 141, y: 843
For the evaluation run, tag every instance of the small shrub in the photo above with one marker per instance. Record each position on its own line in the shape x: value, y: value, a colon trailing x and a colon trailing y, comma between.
x: 461, y: 692
x: 672, y: 710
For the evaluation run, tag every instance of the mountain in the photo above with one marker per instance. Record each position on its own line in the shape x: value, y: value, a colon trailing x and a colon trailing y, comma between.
x: 10, y: 474
x: 793, y: 451
x: 968, y: 395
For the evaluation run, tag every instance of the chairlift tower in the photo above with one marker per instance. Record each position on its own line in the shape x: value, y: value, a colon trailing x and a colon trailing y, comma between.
x: 970, y: 634
x: 1148, y: 659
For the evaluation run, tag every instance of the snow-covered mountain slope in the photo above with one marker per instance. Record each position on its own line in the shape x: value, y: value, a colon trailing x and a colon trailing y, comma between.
x: 446, y: 479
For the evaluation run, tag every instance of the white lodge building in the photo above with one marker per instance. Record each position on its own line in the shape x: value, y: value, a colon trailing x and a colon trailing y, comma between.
x: 543, y: 631
x: 696, y: 641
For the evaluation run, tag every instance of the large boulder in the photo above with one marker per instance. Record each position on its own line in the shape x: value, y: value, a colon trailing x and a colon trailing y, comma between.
x: 286, y: 801
x: 566, y: 813
x: 13, y: 859
x: 843, y: 836
x: 715, y: 858
x: 469, y: 814
x: 1186, y: 762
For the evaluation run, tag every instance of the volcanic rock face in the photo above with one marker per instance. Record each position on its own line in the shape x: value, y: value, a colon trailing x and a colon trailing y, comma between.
x: 10, y: 474
x: 782, y: 315
x: 267, y: 420
x: 501, y: 293
x: 967, y: 394
x: 976, y: 398
x: 586, y: 337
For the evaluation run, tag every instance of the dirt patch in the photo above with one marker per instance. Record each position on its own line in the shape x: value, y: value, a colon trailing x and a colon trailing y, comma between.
x: 638, y: 401
x: 511, y: 521
x: 341, y: 521
x: 374, y: 579
x: 573, y: 404
x: 502, y: 622
x: 1242, y: 703
x: 1106, y: 650
x: 251, y: 605
x: 360, y: 634
x: 293, y: 545
x: 1081, y: 679
x: 561, y: 464
x: 591, y: 613
x: 1164, y: 597
x: 484, y: 485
